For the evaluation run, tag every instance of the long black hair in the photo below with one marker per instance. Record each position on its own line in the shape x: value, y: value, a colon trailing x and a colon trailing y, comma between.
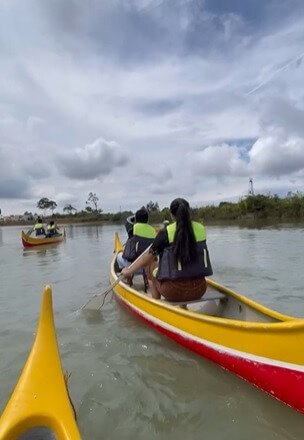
x: 184, y: 248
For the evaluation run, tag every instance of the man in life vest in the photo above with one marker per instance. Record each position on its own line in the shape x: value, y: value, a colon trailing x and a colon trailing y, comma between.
x: 52, y: 229
x: 140, y: 234
x: 38, y: 227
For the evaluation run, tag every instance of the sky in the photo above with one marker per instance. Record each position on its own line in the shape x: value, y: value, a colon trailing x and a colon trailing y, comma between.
x: 139, y: 100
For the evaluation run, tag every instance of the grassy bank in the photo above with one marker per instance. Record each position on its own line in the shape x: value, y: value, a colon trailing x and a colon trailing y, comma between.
x: 269, y: 209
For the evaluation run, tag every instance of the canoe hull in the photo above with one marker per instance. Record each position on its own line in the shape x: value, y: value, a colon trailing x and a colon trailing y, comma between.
x: 29, y: 241
x: 283, y: 383
x: 256, y: 343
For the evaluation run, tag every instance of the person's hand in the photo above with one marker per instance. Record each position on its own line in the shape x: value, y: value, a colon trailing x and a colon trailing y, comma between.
x: 126, y: 272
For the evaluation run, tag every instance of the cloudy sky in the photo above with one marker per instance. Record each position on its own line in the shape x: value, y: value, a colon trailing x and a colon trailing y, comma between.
x: 140, y: 100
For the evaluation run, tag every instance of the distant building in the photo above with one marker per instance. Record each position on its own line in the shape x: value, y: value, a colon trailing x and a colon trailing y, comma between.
x: 28, y: 216
x: 17, y: 218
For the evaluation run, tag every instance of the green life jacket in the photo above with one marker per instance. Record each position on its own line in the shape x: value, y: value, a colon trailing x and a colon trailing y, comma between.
x: 39, y: 229
x: 51, y: 227
x: 170, y: 269
x: 143, y: 236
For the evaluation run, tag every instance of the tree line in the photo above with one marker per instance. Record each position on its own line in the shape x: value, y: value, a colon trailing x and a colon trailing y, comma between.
x: 45, y: 204
x: 259, y: 206
x: 255, y: 207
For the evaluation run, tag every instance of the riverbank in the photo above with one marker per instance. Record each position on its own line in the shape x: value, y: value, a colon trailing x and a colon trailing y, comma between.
x: 242, y: 223
x: 59, y: 221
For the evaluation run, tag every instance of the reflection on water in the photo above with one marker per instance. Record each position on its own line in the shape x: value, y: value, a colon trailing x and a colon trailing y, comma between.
x: 43, y: 255
x: 127, y: 380
x: 92, y: 317
x: 41, y: 250
x: 91, y: 231
x: 69, y: 230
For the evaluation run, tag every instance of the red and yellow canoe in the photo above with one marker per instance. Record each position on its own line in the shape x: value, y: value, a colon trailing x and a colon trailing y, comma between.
x: 39, y: 406
x: 258, y: 344
x: 29, y: 241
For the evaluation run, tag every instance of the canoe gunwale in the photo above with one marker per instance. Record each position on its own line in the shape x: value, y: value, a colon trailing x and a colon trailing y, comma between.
x: 288, y: 323
x: 278, y: 379
x: 266, y: 354
x: 218, y: 347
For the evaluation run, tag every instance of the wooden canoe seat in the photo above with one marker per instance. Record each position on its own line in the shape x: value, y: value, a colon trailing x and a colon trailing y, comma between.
x: 208, y: 296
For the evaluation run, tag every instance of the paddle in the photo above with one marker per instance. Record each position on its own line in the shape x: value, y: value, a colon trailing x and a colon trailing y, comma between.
x: 97, y: 301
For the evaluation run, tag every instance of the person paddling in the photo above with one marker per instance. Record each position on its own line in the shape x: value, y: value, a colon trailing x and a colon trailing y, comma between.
x: 38, y: 227
x: 140, y: 234
x: 183, y: 258
x: 52, y: 229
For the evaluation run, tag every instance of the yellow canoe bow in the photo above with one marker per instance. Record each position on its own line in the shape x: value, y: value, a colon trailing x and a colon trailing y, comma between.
x: 40, y: 403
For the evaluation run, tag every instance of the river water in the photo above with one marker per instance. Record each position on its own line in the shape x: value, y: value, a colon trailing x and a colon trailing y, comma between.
x: 127, y: 380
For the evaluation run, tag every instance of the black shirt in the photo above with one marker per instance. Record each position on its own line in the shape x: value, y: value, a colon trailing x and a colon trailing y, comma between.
x: 160, y: 242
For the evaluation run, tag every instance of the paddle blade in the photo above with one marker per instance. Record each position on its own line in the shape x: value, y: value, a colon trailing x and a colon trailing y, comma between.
x: 96, y: 302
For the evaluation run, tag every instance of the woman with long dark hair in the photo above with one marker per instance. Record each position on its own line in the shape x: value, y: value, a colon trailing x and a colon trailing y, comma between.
x: 183, y: 258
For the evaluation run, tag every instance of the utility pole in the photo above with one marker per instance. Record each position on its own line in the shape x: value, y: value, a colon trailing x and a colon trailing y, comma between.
x: 250, y: 188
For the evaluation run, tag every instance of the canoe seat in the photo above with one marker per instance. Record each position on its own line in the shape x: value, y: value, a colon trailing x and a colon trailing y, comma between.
x: 208, y: 296
x: 143, y: 273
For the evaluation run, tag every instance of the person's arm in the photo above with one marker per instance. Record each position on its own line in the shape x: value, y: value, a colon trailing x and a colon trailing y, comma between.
x: 143, y: 261
x: 158, y: 245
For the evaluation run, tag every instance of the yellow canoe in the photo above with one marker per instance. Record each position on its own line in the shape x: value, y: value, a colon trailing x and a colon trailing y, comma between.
x: 256, y: 343
x: 39, y: 406
x: 29, y: 241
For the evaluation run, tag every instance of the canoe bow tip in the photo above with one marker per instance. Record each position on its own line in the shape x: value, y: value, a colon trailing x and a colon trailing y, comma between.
x: 47, y: 290
x: 118, y: 247
x: 47, y: 298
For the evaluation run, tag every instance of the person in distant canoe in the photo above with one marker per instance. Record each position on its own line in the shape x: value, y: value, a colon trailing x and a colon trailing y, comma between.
x: 52, y: 229
x: 140, y: 236
x: 38, y: 227
x: 183, y: 258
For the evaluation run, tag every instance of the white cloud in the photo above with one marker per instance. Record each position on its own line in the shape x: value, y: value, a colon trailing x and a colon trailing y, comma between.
x: 219, y: 161
x: 276, y: 156
x: 175, y: 93
x: 35, y: 125
x: 93, y: 160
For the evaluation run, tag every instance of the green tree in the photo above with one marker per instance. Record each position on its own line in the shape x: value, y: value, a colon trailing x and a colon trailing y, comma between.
x: 52, y: 205
x: 69, y: 209
x: 28, y: 215
x: 43, y: 204
x: 152, y: 206
x: 93, y: 200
